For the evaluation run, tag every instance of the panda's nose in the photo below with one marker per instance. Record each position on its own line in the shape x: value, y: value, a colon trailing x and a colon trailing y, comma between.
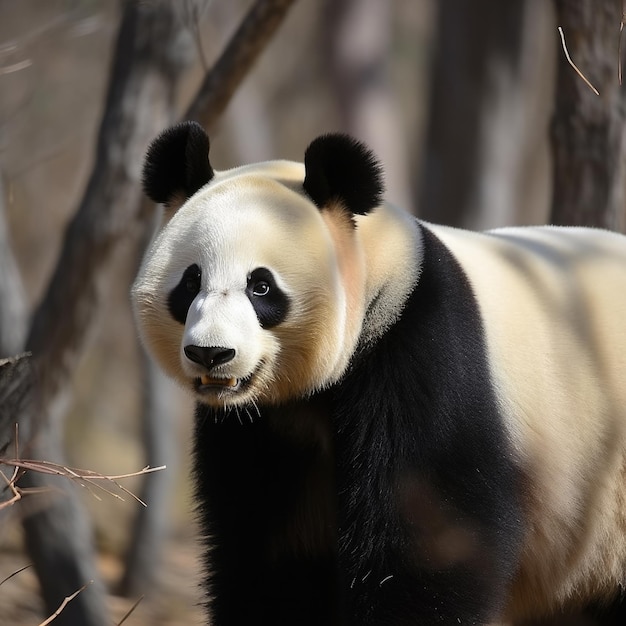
x: 209, y: 356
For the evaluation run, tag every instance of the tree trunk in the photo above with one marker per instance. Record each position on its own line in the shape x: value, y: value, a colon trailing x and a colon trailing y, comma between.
x: 139, y: 104
x: 15, y: 374
x: 588, y: 130
x: 490, y: 97
x: 145, y: 547
x: 16, y: 387
x: 13, y: 310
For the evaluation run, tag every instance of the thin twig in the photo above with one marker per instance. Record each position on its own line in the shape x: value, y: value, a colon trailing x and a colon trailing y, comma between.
x: 85, y: 478
x: 48, y: 467
x: 130, y: 611
x: 15, y: 573
x: 569, y: 60
x: 63, y: 604
x: 17, y: 494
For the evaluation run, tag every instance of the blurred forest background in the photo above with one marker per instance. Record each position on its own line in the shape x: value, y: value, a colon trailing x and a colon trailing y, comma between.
x: 472, y: 108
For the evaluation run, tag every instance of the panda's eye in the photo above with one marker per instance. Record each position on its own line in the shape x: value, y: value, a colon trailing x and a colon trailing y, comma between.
x: 268, y: 300
x: 261, y: 289
x: 191, y: 279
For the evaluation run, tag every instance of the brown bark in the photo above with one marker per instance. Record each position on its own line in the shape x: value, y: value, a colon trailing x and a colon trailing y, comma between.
x: 587, y: 135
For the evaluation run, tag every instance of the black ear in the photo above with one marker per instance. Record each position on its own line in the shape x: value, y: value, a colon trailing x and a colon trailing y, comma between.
x: 338, y: 167
x: 177, y: 163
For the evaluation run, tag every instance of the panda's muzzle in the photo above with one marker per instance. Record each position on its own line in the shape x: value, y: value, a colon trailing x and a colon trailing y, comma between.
x: 210, y: 357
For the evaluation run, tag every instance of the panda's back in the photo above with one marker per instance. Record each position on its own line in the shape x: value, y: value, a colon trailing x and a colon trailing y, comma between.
x: 553, y: 302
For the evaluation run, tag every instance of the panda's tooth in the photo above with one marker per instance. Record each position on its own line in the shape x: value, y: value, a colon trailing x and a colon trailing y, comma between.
x: 205, y: 379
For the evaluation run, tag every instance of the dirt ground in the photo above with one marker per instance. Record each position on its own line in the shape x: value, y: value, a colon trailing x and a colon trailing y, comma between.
x: 176, y: 600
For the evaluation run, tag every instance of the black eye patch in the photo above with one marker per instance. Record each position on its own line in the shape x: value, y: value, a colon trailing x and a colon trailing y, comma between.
x: 270, y: 303
x: 184, y: 293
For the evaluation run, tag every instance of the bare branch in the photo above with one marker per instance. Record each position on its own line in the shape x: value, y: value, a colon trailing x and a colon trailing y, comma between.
x: 63, y: 604
x: 569, y: 60
x: 85, y: 478
x: 130, y: 611
x: 253, y: 34
x: 15, y: 573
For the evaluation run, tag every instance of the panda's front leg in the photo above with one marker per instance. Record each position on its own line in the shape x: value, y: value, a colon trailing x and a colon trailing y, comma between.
x: 266, y: 506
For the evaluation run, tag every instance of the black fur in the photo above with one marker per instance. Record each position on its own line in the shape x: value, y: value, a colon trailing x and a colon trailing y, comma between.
x: 181, y: 297
x: 255, y: 479
x: 177, y: 163
x: 339, y: 168
x: 272, y: 307
x: 423, y: 454
x: 409, y: 517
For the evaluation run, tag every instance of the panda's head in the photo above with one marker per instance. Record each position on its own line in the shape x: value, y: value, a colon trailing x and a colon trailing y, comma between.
x: 254, y: 290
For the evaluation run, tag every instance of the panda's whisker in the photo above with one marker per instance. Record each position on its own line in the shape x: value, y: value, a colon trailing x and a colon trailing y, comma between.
x: 249, y: 415
x: 224, y: 412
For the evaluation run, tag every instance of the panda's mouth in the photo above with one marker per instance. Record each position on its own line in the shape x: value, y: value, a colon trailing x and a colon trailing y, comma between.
x: 223, y: 386
x: 206, y: 383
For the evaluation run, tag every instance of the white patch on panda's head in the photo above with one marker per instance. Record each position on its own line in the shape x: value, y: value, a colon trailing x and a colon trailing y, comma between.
x: 241, y: 297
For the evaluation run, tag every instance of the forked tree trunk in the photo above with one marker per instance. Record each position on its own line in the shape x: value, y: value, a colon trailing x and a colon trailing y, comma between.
x: 146, y: 66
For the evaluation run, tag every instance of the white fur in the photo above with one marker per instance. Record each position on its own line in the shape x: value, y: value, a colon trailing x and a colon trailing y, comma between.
x: 258, y: 216
x: 554, y: 305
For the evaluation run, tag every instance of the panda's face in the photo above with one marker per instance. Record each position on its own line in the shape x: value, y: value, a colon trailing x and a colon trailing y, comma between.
x: 241, y: 297
x: 258, y: 286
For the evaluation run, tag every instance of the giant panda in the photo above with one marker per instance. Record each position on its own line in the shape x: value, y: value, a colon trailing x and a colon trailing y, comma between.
x: 397, y: 423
